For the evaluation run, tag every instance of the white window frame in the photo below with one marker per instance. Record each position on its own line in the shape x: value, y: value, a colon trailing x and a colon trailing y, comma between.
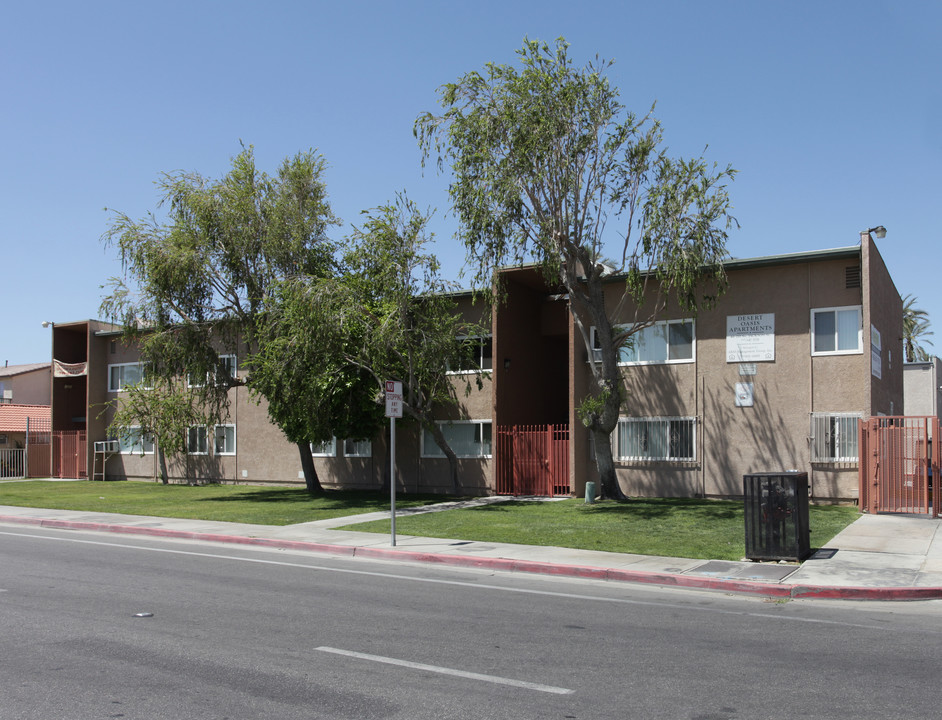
x: 840, y: 433
x: 844, y: 308
x: 122, y: 384
x: 429, y: 448
x: 481, y: 344
x: 190, y: 437
x: 321, y: 451
x: 357, y: 448
x: 225, y: 426
x: 658, y: 425
x: 231, y: 362
x: 622, y: 362
x: 133, y: 442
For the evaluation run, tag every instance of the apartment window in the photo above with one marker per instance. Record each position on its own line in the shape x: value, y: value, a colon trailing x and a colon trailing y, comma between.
x: 657, y: 438
x: 324, y: 449
x: 225, y: 440
x: 468, y: 438
x: 476, y: 354
x: 834, y: 437
x: 666, y: 341
x: 229, y: 363
x: 123, y: 375
x: 357, y: 448
x: 133, y: 442
x: 196, y: 442
x: 836, y: 331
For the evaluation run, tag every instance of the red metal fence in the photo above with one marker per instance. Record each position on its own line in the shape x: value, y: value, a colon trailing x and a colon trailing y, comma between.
x: 39, y: 448
x: 898, y: 462
x: 69, y: 454
x: 532, y: 460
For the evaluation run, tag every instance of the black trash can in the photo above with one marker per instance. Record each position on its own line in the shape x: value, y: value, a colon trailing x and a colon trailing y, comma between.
x: 776, y: 512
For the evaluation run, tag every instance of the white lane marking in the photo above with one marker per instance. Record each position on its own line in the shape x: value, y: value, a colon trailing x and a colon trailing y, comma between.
x: 478, y: 586
x: 449, y: 671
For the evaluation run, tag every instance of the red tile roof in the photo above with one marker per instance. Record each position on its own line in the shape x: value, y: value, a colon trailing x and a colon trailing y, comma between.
x: 13, y: 417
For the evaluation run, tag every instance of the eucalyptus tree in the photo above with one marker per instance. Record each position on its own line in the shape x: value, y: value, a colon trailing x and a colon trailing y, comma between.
x: 195, y: 283
x: 389, y: 315
x: 157, y: 410
x: 543, y: 157
x: 415, y: 331
x: 313, y: 392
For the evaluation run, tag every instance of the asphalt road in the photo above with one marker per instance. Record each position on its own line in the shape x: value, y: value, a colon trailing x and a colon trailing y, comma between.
x: 238, y: 633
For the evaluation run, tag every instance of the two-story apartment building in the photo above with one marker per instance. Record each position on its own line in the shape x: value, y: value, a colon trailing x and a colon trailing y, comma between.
x: 774, y: 377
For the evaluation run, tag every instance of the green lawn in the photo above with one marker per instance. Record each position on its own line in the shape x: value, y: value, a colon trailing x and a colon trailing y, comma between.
x: 231, y: 503
x: 707, y: 529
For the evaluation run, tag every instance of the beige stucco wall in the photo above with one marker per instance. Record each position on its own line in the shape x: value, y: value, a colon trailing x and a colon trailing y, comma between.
x: 921, y: 388
x: 30, y: 388
x: 774, y: 433
x: 264, y: 455
x: 883, y: 311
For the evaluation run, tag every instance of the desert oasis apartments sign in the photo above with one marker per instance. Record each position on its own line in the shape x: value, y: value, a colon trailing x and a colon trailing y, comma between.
x: 750, y: 338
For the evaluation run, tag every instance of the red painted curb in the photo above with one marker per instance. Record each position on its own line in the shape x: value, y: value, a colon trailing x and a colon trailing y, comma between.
x: 183, y: 535
x: 750, y: 587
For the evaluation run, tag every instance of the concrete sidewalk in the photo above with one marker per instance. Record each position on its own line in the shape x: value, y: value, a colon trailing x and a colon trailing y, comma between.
x: 878, y: 557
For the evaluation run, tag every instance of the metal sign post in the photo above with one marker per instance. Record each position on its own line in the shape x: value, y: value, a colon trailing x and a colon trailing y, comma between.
x: 393, y: 411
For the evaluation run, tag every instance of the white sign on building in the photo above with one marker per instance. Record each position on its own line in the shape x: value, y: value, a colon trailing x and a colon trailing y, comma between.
x: 750, y: 338
x: 876, y: 356
x: 744, y: 395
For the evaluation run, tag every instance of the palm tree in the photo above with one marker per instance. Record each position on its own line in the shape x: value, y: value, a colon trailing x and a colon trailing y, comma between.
x: 915, y: 330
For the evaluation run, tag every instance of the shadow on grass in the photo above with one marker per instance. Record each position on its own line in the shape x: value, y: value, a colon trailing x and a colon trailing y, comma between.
x: 641, y: 508
x: 329, y: 499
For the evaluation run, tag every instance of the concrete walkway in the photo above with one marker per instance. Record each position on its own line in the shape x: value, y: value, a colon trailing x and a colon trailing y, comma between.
x: 878, y: 557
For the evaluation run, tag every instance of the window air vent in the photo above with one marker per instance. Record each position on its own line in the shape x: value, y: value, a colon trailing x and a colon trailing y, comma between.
x: 852, y: 277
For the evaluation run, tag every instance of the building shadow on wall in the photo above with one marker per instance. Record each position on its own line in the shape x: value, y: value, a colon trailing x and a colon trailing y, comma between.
x: 659, y: 391
x: 195, y: 470
x: 761, y: 441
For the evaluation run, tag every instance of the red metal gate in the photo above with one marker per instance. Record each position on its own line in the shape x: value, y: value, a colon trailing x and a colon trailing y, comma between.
x: 898, y: 461
x: 532, y: 460
x: 69, y: 454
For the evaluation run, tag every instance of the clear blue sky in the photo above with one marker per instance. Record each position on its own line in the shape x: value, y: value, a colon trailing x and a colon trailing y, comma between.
x: 829, y: 110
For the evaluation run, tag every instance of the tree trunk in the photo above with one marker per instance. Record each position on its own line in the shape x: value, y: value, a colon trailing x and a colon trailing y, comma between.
x: 162, y: 461
x: 602, y: 429
x: 609, y: 487
x: 311, y: 480
x: 588, y: 305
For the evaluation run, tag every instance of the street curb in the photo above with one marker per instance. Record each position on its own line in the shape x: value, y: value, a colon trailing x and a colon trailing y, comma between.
x: 773, y: 590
